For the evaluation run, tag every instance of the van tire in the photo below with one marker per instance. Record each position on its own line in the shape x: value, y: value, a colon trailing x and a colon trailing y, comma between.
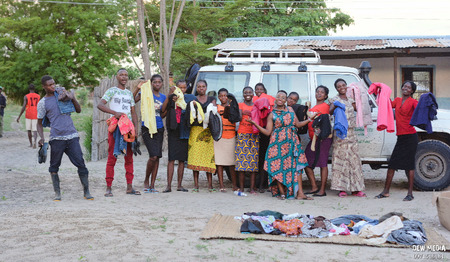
x: 432, y: 170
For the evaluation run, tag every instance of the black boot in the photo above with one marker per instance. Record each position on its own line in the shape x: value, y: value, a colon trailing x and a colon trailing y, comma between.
x: 85, y: 182
x: 55, y: 181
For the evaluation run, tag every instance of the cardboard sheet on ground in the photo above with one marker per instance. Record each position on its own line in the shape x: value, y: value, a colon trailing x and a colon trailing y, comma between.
x: 226, y: 227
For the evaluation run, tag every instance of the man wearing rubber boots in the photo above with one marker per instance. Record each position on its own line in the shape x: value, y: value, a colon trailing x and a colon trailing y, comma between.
x: 64, y: 137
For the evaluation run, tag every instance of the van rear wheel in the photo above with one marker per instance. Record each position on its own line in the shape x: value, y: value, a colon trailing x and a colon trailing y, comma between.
x: 432, y: 170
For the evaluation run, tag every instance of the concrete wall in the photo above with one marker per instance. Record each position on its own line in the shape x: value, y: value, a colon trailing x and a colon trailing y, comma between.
x: 383, y: 71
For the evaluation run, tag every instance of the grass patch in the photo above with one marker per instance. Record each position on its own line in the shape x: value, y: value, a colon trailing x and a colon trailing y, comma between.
x: 12, y: 111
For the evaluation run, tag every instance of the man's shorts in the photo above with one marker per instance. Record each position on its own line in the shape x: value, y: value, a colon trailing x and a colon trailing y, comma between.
x: 31, y: 124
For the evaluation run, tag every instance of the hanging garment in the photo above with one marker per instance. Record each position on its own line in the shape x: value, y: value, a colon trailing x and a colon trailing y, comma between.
x: 357, y: 91
x: 301, y: 113
x: 213, y: 121
x: 184, y: 118
x: 322, y: 131
x: 340, y: 120
x: 171, y: 117
x: 425, y: 112
x: 196, y: 112
x: 148, y: 108
x: 385, y: 119
x: 266, y: 96
x: 180, y: 98
x: 260, y: 111
x: 64, y: 100
x: 233, y: 114
x: 126, y: 128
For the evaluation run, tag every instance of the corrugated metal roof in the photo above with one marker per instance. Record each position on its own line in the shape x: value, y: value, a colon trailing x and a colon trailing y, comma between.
x: 334, y: 43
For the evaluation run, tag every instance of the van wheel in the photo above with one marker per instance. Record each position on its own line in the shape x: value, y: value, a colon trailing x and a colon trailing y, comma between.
x: 432, y: 165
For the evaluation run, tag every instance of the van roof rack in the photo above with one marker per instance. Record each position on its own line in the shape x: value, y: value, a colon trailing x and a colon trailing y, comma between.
x: 285, y: 56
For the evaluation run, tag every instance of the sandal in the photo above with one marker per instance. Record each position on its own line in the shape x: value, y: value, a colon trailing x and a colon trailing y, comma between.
x: 212, y: 190
x: 342, y: 194
x: 359, y: 194
x: 408, y: 198
x: 312, y: 192
x: 134, y: 192
x: 380, y: 196
x: 109, y: 194
x: 147, y: 190
x: 182, y: 189
x: 223, y: 190
x: 195, y: 190
x: 167, y: 190
x: 282, y: 197
x: 253, y: 192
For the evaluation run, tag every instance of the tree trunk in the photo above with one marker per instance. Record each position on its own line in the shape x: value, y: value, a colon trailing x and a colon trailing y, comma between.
x: 144, y: 48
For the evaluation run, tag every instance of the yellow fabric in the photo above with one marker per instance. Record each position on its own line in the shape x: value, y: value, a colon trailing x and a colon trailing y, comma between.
x: 148, y: 108
x: 180, y: 98
x: 196, y: 114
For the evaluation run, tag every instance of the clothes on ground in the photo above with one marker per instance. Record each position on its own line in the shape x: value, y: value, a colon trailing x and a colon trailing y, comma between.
x: 403, y: 156
x: 61, y: 125
x: 346, y: 163
x: 201, y: 150
x: 385, y: 118
x: 247, y: 152
x: 260, y: 111
x: 31, y: 108
x: 148, y: 112
x: 412, y: 233
x: 119, y: 100
x: 340, y: 120
x: 425, y: 112
x: 403, y: 113
x: 357, y: 91
x: 378, y: 234
x: 244, y: 126
x: 392, y: 229
x: 284, y: 158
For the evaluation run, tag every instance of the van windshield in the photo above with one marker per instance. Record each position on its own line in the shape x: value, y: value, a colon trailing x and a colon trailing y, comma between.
x: 234, y: 82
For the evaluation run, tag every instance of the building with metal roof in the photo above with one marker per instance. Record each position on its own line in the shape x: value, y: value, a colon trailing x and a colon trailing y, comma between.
x: 394, y: 59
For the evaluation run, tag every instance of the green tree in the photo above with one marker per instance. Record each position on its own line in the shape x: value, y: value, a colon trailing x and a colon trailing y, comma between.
x: 206, y: 23
x: 74, y: 43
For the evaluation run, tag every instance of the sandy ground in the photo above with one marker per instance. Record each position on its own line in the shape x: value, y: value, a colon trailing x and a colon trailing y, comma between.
x: 166, y: 227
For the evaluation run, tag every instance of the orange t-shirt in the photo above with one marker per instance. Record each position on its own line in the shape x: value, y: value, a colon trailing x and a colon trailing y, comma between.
x: 244, y: 126
x: 229, y: 129
x: 31, y: 109
x: 323, y: 108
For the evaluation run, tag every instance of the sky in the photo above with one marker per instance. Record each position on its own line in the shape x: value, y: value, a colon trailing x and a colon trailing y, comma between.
x: 394, y: 17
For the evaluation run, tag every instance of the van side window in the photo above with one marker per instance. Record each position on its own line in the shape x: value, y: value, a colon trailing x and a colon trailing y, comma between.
x: 234, y: 82
x: 328, y: 81
x: 296, y: 82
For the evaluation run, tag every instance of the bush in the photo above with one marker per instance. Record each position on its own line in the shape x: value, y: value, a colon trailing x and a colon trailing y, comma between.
x: 86, y: 126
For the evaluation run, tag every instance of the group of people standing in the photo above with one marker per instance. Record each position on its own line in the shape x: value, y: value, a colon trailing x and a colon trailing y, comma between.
x: 267, y: 145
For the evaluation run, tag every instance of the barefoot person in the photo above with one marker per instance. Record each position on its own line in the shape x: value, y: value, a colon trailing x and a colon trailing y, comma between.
x: 121, y: 102
x: 64, y: 137
x: 285, y: 158
x: 403, y: 156
x: 30, y: 102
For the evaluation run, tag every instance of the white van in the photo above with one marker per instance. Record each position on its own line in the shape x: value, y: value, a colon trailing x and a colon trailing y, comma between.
x: 300, y: 71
